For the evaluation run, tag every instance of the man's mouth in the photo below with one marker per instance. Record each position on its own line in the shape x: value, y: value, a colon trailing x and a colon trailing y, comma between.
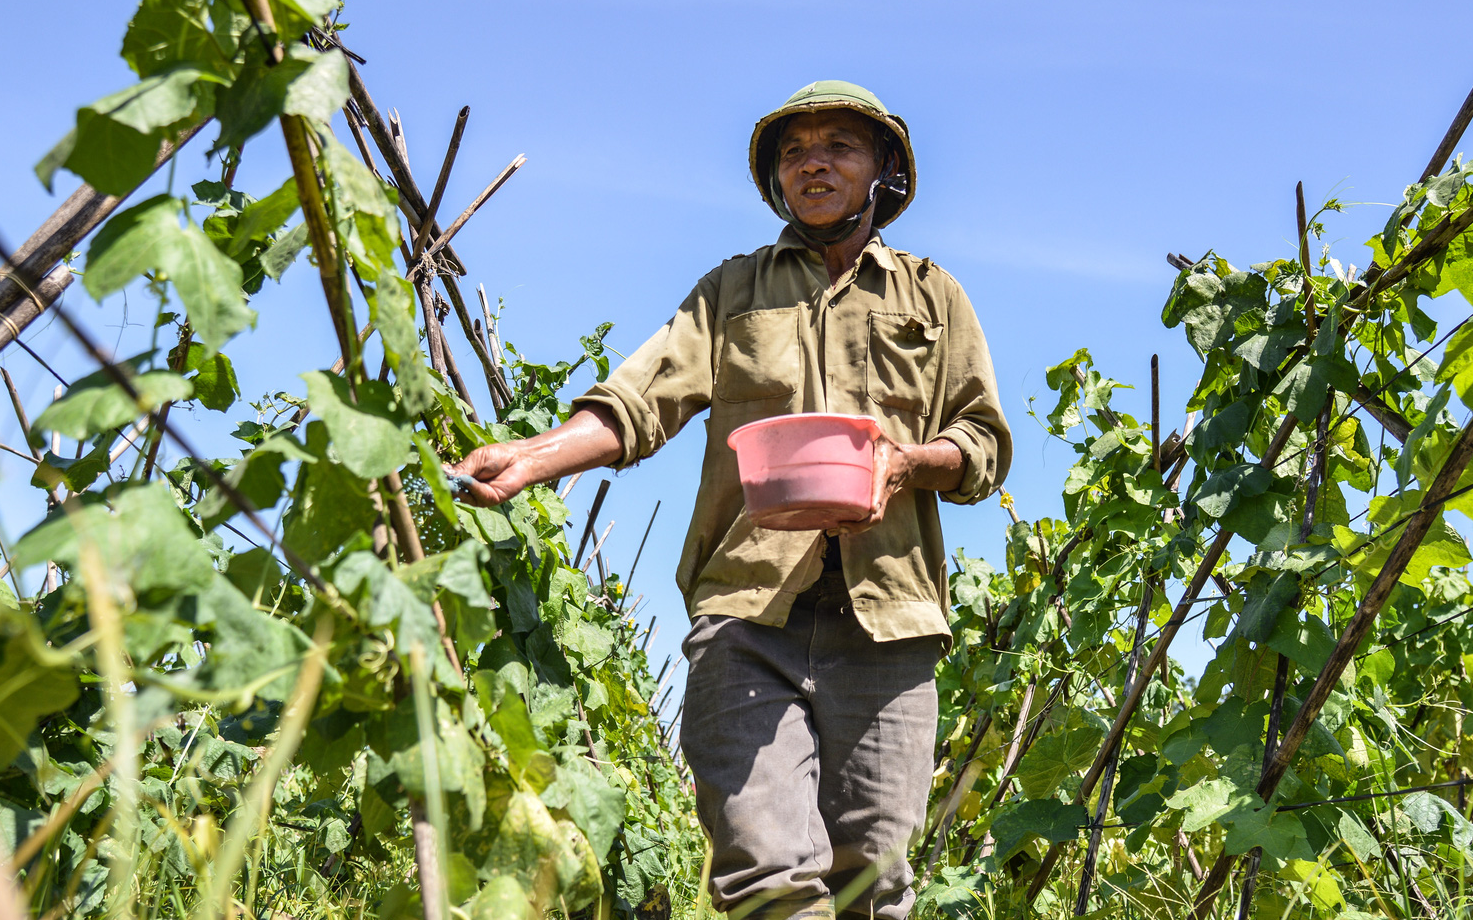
x: 812, y: 191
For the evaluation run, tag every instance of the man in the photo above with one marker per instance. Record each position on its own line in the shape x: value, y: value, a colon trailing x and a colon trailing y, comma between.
x: 810, y: 712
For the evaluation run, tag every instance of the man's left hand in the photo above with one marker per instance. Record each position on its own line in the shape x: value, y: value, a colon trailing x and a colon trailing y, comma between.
x: 938, y: 465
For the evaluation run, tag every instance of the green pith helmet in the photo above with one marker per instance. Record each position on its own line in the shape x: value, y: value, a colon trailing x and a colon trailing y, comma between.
x: 894, y: 196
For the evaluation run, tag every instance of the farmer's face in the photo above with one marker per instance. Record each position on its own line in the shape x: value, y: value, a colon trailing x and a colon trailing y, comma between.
x: 826, y: 163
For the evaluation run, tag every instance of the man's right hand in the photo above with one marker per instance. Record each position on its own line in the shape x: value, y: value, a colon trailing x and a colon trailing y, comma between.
x: 496, y: 472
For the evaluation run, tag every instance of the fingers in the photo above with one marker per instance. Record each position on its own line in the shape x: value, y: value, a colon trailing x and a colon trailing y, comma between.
x: 486, y: 476
x: 483, y: 463
x: 482, y: 495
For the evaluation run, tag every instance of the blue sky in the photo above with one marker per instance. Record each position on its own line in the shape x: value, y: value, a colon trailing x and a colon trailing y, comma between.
x: 1063, y: 149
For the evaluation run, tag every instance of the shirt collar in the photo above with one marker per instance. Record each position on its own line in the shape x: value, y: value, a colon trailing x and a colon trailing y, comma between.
x: 875, y: 248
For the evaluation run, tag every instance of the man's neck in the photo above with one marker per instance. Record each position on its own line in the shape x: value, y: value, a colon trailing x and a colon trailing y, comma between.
x: 839, y: 257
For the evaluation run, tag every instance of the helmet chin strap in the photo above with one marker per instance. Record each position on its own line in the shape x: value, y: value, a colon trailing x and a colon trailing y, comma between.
x: 840, y: 230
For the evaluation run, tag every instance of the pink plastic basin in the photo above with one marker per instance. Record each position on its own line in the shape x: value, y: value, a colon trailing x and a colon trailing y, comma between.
x: 810, y: 471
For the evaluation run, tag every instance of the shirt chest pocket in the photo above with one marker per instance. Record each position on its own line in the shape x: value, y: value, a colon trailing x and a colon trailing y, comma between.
x: 902, y: 362
x: 760, y: 356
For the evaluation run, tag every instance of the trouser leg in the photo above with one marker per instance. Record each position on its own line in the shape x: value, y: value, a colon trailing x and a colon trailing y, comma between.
x: 874, y: 706
x: 747, y: 734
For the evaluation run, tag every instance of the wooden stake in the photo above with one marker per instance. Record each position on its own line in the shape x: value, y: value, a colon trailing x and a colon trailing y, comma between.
x: 428, y: 218
x: 1156, y: 413
x: 639, y: 552
x: 1450, y: 139
x: 470, y: 210
x: 1132, y: 673
x: 78, y: 216
x: 598, y: 503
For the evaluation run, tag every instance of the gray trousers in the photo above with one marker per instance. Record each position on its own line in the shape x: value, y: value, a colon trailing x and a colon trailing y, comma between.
x: 811, y: 747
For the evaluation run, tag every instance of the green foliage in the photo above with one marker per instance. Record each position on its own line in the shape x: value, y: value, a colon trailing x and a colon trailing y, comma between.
x: 538, y: 760
x: 1057, y: 624
x: 549, y: 775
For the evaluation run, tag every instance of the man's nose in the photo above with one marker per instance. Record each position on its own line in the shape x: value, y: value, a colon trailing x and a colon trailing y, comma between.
x: 815, y: 162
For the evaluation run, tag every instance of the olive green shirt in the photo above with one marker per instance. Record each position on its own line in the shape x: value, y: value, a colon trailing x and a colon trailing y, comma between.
x: 766, y: 334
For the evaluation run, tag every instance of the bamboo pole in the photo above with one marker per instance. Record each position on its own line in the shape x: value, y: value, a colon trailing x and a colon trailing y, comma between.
x: 444, y: 239
x: 427, y: 220
x: 59, y: 235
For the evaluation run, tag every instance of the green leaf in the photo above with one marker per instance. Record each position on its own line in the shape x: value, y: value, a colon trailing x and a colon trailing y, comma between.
x: 261, y: 219
x: 294, y: 17
x: 1427, y: 427
x: 155, y: 102
x: 1377, y: 668
x: 381, y: 599
x: 262, y: 90
x: 434, y: 476
x: 391, y: 307
x: 96, y: 404
x: 1269, y: 595
x: 527, y: 845
x: 147, y: 237
x: 1182, y: 745
x: 1017, y: 824
x: 335, y: 836
x: 144, y: 540
x: 321, y: 89
x: 1205, y: 802
x: 76, y: 474
x: 1265, y: 351
x: 368, y: 223
x: 329, y: 503
x: 29, y: 689
x: 1357, y: 837
x: 502, y: 899
x: 1232, y: 725
x: 1308, y: 642
x: 594, y: 805
x: 214, y: 380
x: 589, y: 641
x: 164, y: 33
x: 1058, y: 755
x: 1228, y: 486
x: 1424, y: 810
x: 463, y: 573
x: 1224, y: 428
x: 256, y: 574
x: 277, y: 259
x: 1457, y: 359
x: 117, y: 138
x: 1442, y: 545
x: 1318, y: 881
x: 252, y: 651
x: 371, y: 436
x: 257, y: 476
x: 1280, y: 835
x: 1254, y: 517
x: 1302, y: 390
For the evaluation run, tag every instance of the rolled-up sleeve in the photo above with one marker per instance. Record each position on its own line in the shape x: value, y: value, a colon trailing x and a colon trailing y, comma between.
x: 972, y: 417
x: 665, y: 382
